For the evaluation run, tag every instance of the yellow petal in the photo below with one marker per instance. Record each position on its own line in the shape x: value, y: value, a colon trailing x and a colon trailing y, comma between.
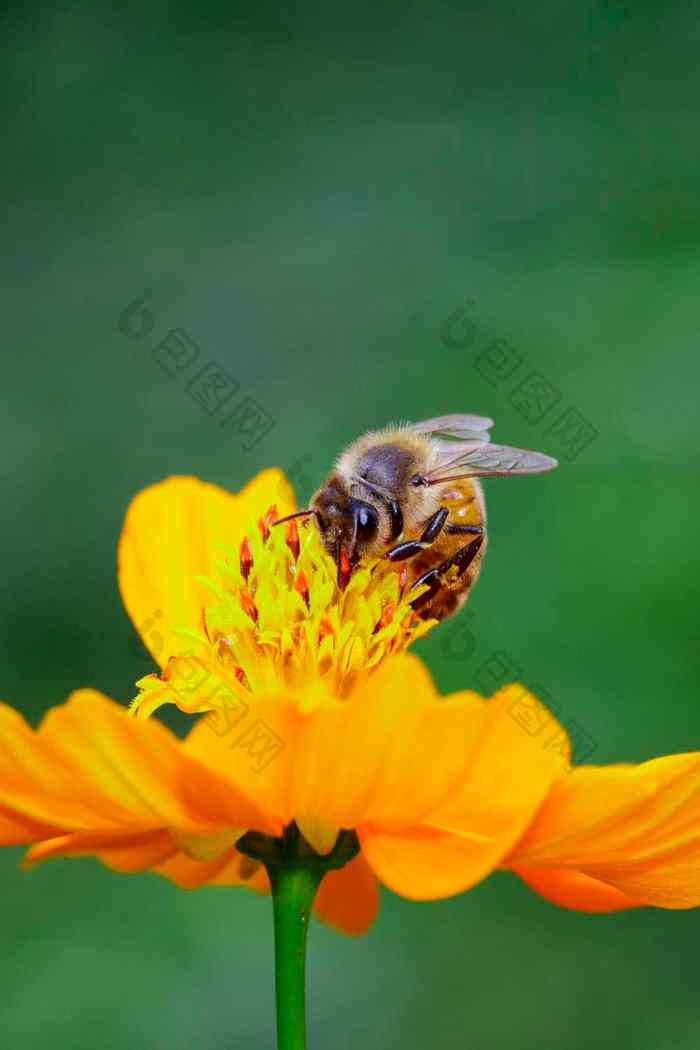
x: 173, y: 532
x: 320, y: 835
x: 633, y: 828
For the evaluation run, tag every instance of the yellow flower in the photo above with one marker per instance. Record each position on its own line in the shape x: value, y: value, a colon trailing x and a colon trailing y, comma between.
x: 316, y: 718
x: 257, y: 608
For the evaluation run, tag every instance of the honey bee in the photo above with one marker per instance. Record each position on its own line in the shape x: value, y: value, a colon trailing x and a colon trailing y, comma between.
x: 410, y: 493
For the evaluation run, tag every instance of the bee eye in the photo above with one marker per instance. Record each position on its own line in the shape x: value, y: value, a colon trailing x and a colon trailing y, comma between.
x: 367, y: 521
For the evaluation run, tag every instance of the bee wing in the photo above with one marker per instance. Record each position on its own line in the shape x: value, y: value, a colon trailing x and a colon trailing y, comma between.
x: 469, y: 460
x: 465, y: 428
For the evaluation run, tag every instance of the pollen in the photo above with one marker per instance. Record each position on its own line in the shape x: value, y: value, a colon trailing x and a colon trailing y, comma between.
x: 283, y: 616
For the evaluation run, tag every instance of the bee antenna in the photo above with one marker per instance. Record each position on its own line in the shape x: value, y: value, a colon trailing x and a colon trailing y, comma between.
x: 296, y: 514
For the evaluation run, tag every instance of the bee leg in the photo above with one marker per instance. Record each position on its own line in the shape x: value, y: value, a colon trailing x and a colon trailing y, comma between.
x: 434, y: 525
x: 430, y: 533
x: 462, y: 559
x: 404, y: 550
x: 464, y: 556
x: 432, y: 579
x: 462, y: 530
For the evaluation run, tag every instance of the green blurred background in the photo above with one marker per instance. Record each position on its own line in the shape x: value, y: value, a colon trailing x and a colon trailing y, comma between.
x: 361, y: 213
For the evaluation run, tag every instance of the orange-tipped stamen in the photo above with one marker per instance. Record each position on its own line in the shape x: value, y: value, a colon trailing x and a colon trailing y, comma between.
x: 325, y: 628
x: 344, y: 568
x: 403, y: 579
x: 386, y: 617
x: 246, y: 558
x: 248, y: 605
x: 265, y: 522
x: 257, y: 635
x: 166, y: 673
x: 301, y: 586
x: 292, y: 538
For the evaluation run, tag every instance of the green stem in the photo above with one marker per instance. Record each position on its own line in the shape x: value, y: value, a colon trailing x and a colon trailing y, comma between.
x: 295, y: 871
x: 294, y: 887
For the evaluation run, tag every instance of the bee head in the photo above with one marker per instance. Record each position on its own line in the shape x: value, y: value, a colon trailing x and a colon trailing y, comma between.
x: 345, y: 522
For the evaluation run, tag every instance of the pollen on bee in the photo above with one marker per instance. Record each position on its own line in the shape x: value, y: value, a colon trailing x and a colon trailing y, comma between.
x: 301, y: 586
x: 246, y: 558
x: 248, y: 605
x: 265, y: 522
x: 292, y: 538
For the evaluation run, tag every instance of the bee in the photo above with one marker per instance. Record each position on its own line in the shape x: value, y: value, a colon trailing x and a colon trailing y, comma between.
x: 409, y: 493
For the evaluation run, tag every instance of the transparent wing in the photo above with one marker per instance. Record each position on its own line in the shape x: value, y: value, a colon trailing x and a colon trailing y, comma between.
x: 469, y: 460
x: 474, y: 429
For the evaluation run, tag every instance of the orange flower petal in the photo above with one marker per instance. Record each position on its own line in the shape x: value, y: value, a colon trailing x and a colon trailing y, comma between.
x: 91, y: 768
x: 389, y: 755
x: 18, y: 830
x: 156, y: 851
x: 174, y: 531
x: 509, y: 771
x: 425, y: 863
x: 571, y: 889
x: 438, y: 788
x: 229, y: 869
x: 139, y: 771
x: 123, y: 852
x: 37, y: 789
x: 348, y: 898
x: 633, y: 828
x: 506, y: 775
x: 255, y: 755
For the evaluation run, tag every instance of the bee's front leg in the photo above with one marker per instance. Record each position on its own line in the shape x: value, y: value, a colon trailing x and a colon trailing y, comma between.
x: 432, y: 530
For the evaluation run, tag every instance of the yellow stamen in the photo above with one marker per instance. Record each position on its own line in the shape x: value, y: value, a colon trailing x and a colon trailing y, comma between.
x: 280, y: 619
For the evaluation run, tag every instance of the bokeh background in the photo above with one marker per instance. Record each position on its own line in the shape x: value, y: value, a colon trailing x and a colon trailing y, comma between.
x: 358, y: 213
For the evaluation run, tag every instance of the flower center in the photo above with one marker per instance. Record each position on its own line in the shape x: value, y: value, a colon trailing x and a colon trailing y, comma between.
x: 278, y: 621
